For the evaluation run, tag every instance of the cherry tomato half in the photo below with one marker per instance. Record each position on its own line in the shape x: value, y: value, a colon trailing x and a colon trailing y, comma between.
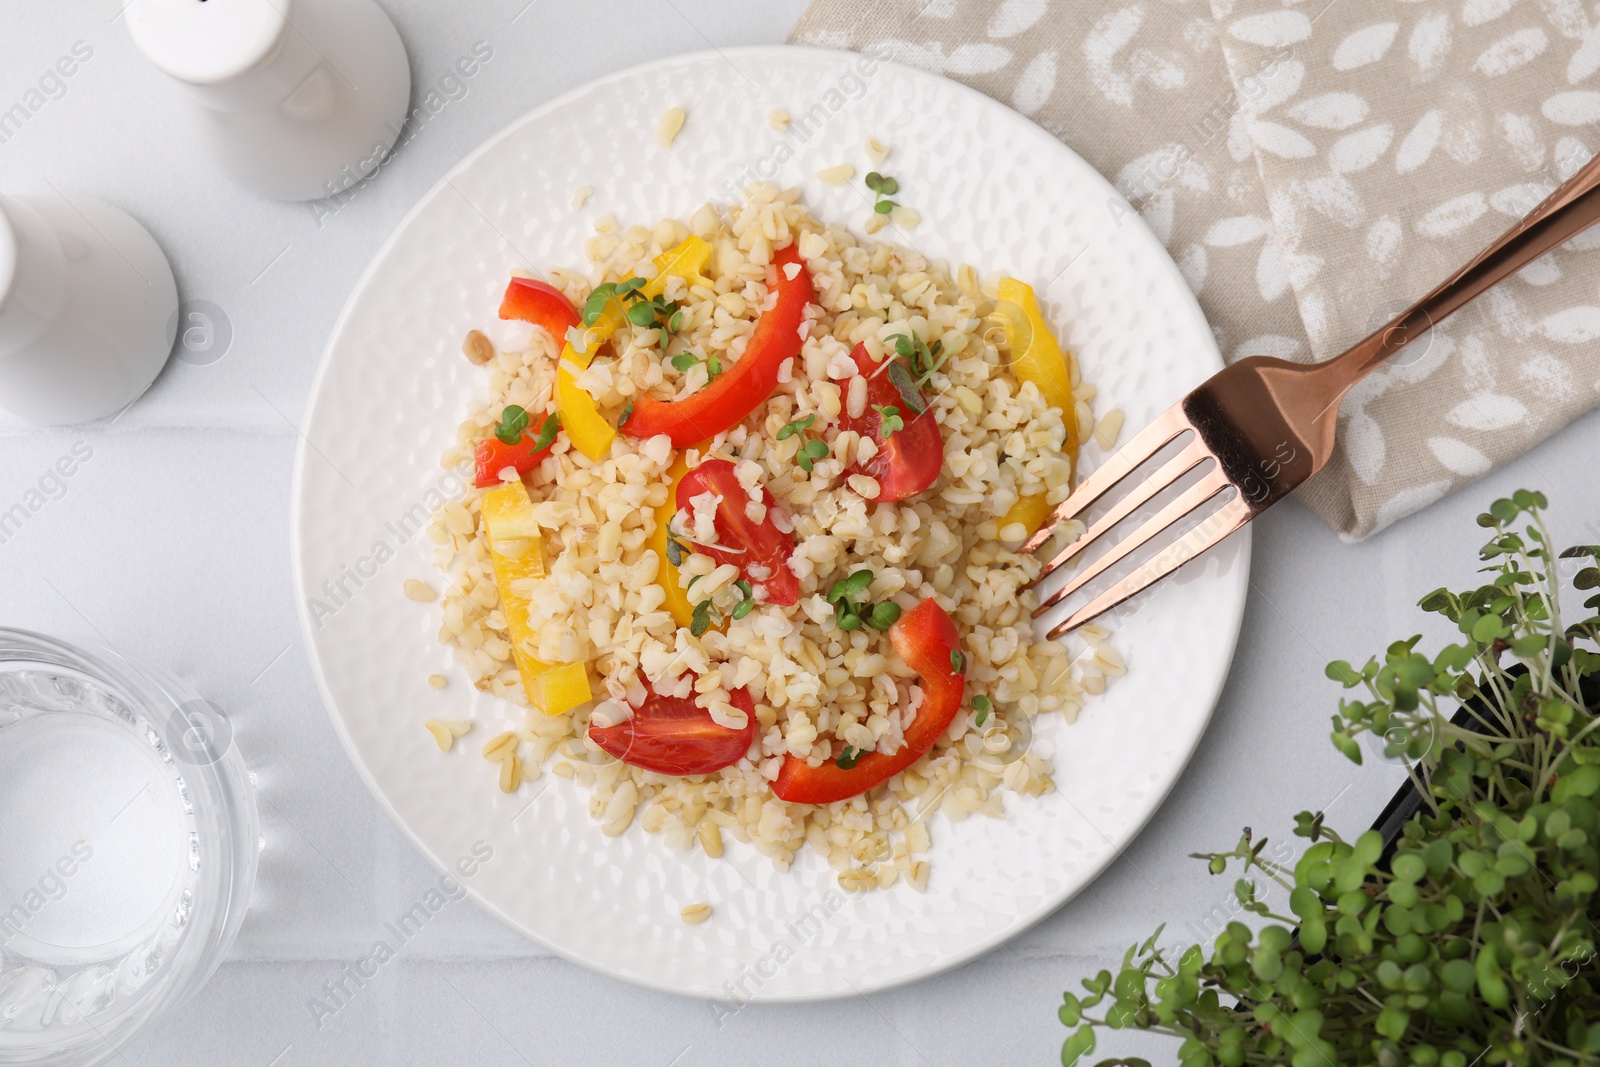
x: 760, y: 550
x: 672, y: 735
x: 909, y: 459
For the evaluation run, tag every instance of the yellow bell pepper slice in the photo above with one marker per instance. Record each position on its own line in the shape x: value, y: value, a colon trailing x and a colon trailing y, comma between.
x: 508, y: 514
x: 588, y: 430
x: 677, y: 600
x: 1037, y: 357
x: 1029, y: 510
x: 561, y: 688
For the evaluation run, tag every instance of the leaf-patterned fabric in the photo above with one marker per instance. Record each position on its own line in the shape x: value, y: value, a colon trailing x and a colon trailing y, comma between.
x: 1314, y: 167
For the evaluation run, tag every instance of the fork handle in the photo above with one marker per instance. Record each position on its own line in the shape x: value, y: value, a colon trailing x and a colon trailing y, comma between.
x: 1564, y: 214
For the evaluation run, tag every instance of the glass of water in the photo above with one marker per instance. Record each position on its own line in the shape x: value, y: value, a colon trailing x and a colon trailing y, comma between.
x: 128, y: 848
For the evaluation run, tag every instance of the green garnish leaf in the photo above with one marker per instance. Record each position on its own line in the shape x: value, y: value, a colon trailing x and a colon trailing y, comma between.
x: 700, y: 621
x: 513, y: 420
x: 874, y: 181
x: 980, y: 704
x: 642, y: 315
x: 883, y: 207
x: 743, y: 608
x: 901, y: 379
x: 547, y: 432
x: 889, y: 420
x: 847, y: 759
x: 684, y: 360
x: 674, y: 551
x: 627, y: 413
x: 629, y: 286
x: 958, y: 662
x: 804, y: 462
x: 888, y: 186
x: 675, y: 323
x: 884, y: 615
x: 713, y: 368
x: 903, y: 346
x: 746, y: 590
x: 789, y: 429
x: 595, y: 306
x: 815, y: 449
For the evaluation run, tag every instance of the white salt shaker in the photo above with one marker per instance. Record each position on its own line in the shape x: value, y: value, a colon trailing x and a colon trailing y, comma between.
x: 296, y: 99
x: 88, y: 308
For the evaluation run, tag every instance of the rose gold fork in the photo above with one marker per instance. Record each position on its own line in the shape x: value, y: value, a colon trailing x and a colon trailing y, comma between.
x: 1263, y: 426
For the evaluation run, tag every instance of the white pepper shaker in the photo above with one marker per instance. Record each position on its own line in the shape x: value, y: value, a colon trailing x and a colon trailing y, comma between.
x: 296, y: 99
x: 88, y: 308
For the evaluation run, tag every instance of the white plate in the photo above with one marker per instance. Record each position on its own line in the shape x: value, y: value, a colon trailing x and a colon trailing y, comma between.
x: 994, y: 190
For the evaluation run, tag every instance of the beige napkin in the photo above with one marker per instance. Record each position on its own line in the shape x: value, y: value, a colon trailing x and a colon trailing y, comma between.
x: 1312, y: 167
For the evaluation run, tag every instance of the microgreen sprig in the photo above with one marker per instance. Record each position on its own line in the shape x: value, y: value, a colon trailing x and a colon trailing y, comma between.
x: 851, y: 612
x: 705, y: 613
x: 810, y: 452
x: 920, y: 359
x: 789, y: 429
x: 884, y: 186
x: 686, y: 361
x: 848, y: 758
x: 889, y: 419
x: 513, y: 421
x: 643, y: 312
x: 981, y: 705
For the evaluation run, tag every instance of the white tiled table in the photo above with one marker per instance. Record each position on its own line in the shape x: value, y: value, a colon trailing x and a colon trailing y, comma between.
x: 171, y: 544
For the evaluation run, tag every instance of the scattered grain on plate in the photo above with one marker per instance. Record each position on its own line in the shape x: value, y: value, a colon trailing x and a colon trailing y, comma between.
x: 1108, y: 429
x: 510, y: 774
x: 875, y: 222
x: 695, y: 914
x: 477, y: 348
x: 420, y: 591
x: 500, y: 746
x: 904, y: 217
x: 876, y: 150
x: 710, y: 835
x: 438, y: 681
x: 445, y: 732
x: 668, y: 125
x: 581, y: 197
x: 778, y: 119
x: 839, y: 175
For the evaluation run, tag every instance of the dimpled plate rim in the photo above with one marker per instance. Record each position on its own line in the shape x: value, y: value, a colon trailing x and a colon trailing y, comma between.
x: 1025, y: 204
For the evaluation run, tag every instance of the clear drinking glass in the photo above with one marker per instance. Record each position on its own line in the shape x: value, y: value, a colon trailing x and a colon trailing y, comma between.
x: 128, y: 848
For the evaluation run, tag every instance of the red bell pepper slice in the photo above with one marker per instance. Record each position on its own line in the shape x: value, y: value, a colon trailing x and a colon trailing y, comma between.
x: 542, y: 304
x: 926, y: 638
x: 528, y: 300
x: 673, y: 735
x: 494, y: 456
x: 740, y: 389
x: 741, y: 542
x: 908, y: 460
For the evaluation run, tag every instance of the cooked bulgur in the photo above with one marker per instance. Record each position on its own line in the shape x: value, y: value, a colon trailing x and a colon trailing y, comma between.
x: 812, y: 683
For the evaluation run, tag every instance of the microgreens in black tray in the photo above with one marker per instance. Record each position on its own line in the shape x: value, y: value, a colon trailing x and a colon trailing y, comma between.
x: 1469, y: 937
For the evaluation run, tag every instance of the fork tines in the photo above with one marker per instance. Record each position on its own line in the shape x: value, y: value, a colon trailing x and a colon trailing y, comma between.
x: 1171, y: 425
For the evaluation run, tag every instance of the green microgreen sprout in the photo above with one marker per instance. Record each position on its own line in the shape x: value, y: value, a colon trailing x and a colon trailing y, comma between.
x: 848, y: 758
x: 981, y: 705
x: 513, y: 421
x: 851, y: 611
x: 889, y: 420
x: 547, y: 432
x: 789, y: 429
x: 883, y: 187
x: 958, y: 661
x: 809, y: 453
